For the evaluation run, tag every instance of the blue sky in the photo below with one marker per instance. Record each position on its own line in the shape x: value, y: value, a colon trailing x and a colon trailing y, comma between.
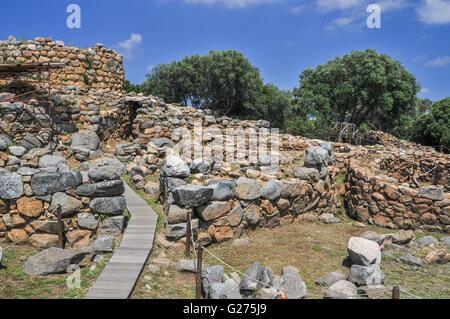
x: 280, y: 37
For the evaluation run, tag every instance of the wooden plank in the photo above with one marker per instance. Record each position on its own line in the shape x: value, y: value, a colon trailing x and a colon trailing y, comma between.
x: 120, y: 275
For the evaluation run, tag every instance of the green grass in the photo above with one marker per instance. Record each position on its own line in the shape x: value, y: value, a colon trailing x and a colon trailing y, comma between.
x: 15, y: 284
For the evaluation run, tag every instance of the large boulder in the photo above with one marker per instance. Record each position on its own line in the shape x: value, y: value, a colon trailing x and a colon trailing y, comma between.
x: 222, y: 189
x: 247, y: 189
x: 174, y: 166
x: 106, y: 170
x: 291, y: 284
x: 431, y: 192
x: 177, y: 231
x: 48, y: 161
x: 49, y: 183
x: 86, y: 139
x: 5, y: 141
x: 428, y: 240
x: 317, y: 157
x: 102, y: 189
x: 177, y: 214
x: 272, y: 190
x: 108, y: 205
x: 200, y: 166
x: 112, y: 226
x: 364, y: 252
x: 330, y: 278
x: 11, y: 185
x: 51, y: 261
x: 213, y: 210
x: 210, y: 276
x: 366, y: 276
x: 342, y: 290
x: 104, y: 244
x: 226, y: 290
x: 256, y: 276
x: 88, y: 221
x: 306, y: 173
x: 192, y: 195
x: 69, y: 204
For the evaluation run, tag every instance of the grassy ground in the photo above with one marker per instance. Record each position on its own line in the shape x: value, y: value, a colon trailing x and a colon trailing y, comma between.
x: 15, y: 284
x: 314, y: 248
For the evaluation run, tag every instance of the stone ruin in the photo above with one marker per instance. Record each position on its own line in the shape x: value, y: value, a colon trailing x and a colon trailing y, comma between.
x: 146, y: 135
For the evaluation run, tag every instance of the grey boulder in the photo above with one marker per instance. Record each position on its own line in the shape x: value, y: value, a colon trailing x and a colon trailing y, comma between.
x: 51, y: 261
x: 104, y: 244
x: 108, y: 205
x: 86, y: 139
x: 364, y: 252
x: 11, y: 185
x: 272, y: 190
x: 192, y: 195
x: 210, y: 276
x: 226, y: 290
x: 330, y: 278
x: 49, y: 183
x: 366, y: 276
x: 106, y: 170
x: 69, y: 205
x: 342, y: 290
x: 222, y: 189
x: 316, y: 157
x: 102, y: 189
x: 174, y: 166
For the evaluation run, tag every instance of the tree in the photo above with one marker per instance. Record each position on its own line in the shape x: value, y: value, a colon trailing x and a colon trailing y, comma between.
x: 361, y: 87
x: 273, y: 105
x: 433, y: 128
x: 129, y: 87
x: 223, y: 81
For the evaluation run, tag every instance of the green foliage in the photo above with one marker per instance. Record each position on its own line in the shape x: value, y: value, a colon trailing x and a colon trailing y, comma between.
x: 433, y: 128
x: 86, y: 79
x: 359, y: 87
x: 223, y: 81
x: 129, y: 87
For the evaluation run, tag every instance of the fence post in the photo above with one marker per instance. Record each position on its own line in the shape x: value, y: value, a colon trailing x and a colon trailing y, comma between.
x: 198, y: 278
x: 60, y: 227
x: 188, y: 234
x: 396, y: 292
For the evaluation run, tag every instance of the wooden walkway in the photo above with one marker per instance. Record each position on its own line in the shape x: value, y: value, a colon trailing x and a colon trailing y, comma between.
x: 120, y: 275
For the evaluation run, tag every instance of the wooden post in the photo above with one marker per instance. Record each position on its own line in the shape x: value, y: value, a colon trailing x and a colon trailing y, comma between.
x: 60, y: 228
x: 198, y: 283
x: 396, y: 292
x: 188, y: 235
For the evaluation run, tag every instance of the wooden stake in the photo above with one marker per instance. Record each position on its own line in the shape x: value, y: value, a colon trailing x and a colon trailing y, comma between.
x: 188, y: 235
x: 60, y: 228
x: 396, y: 292
x: 198, y: 284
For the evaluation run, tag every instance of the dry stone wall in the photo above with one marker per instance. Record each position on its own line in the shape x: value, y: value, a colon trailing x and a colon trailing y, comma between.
x: 35, y: 182
x: 372, y: 198
x: 97, y: 68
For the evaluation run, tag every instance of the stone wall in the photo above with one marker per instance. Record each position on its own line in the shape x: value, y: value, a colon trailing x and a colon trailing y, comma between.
x: 35, y: 182
x: 226, y: 208
x: 97, y: 68
x: 427, y: 167
x: 371, y: 198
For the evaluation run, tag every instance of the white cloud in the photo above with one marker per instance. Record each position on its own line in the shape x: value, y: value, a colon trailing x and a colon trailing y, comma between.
x: 434, y: 12
x: 297, y: 10
x: 328, y: 5
x: 232, y: 3
x: 128, y: 46
x: 353, y: 12
x: 424, y: 91
x: 439, y: 61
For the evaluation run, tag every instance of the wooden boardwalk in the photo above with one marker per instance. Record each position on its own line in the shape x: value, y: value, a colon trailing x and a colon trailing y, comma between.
x: 120, y: 275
